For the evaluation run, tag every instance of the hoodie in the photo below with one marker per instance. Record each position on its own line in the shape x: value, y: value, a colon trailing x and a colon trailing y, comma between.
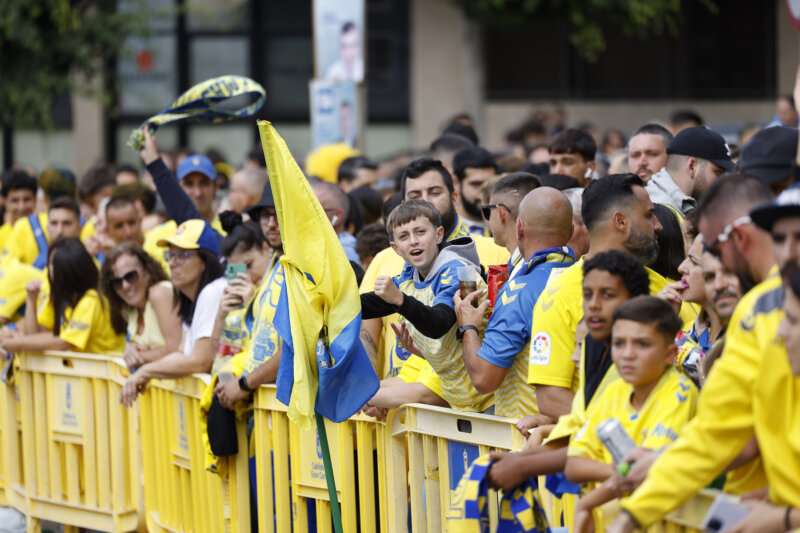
x: 435, y: 320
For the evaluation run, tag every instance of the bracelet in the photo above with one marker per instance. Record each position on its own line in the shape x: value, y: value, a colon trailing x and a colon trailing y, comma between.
x: 787, y: 525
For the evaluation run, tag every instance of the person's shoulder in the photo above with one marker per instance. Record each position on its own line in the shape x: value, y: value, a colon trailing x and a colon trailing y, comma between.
x: 213, y: 290
x: 161, y: 291
x: 763, y: 299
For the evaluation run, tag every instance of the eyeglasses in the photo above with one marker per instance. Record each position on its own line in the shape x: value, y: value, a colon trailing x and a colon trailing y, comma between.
x: 129, y: 277
x: 487, y: 209
x: 725, y: 235
x: 178, y: 258
x: 265, y: 214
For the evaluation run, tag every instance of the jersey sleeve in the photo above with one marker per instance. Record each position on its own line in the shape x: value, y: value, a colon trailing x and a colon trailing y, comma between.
x: 555, y: 318
x: 719, y: 431
x: 78, y: 329
x: 509, y: 326
x: 446, y: 285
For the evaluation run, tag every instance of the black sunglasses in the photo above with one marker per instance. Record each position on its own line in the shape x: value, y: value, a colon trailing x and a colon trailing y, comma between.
x: 487, y: 209
x: 130, y: 277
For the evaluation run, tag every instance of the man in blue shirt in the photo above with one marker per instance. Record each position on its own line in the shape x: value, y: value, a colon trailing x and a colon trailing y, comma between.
x: 500, y: 363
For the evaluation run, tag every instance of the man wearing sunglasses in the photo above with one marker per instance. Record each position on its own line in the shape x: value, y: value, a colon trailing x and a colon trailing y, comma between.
x: 501, y: 213
x: 750, y: 233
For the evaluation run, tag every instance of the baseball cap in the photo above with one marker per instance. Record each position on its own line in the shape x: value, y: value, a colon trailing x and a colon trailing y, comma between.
x: 192, y: 235
x: 703, y: 143
x: 266, y: 201
x: 786, y: 204
x: 769, y: 154
x: 197, y: 163
x: 324, y: 161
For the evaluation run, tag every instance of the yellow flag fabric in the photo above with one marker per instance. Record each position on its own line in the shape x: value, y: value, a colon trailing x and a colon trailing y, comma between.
x: 323, y: 364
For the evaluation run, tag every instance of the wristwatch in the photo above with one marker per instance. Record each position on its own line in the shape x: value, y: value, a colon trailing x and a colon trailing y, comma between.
x: 243, y: 385
x: 463, y: 329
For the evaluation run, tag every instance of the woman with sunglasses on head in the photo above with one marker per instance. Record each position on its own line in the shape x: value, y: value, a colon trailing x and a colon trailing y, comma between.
x: 74, y: 316
x: 142, y: 302
x: 193, y: 257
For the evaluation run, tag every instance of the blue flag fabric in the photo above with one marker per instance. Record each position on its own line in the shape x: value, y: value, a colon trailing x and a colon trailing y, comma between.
x: 520, y: 510
x: 323, y: 364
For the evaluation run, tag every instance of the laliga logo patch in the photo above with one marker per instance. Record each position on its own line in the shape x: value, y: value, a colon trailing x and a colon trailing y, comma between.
x: 540, y: 349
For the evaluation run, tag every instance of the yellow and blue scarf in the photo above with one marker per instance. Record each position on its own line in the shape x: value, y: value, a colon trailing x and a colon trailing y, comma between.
x: 200, y: 104
x: 520, y: 510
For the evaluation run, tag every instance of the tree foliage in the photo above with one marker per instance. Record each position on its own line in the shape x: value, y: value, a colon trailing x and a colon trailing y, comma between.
x: 47, y: 46
x: 586, y: 18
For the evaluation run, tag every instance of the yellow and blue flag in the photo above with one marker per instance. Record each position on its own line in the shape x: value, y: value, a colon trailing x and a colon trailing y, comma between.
x: 520, y: 510
x: 323, y: 365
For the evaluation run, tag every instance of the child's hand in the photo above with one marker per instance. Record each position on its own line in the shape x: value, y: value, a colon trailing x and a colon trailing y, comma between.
x: 584, y: 522
x: 537, y: 436
x: 404, y: 336
x: 532, y: 421
x: 388, y: 291
x: 642, y: 459
x: 466, y: 312
x: 506, y: 472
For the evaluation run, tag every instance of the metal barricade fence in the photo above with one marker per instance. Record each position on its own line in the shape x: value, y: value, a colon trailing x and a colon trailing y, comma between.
x: 180, y: 494
x: 440, y: 445
x: 80, y: 450
x: 291, y: 487
x: 88, y: 462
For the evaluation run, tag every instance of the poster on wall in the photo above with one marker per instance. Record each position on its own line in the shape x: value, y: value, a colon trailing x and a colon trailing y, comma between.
x: 339, y: 40
x: 335, y: 113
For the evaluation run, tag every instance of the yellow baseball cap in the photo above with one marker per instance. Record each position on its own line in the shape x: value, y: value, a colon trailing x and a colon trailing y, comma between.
x: 324, y: 161
x: 191, y: 235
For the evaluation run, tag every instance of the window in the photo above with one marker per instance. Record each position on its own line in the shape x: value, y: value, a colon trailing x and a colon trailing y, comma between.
x: 729, y: 55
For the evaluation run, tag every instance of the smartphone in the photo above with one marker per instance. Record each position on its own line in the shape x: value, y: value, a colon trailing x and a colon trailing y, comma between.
x: 724, y: 513
x: 233, y: 269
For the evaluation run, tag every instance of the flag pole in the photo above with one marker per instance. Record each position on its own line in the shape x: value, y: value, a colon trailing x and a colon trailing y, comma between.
x: 326, y: 461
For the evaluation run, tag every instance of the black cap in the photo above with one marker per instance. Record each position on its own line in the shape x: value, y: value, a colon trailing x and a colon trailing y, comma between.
x: 266, y: 200
x: 702, y: 143
x: 769, y: 154
x: 786, y: 204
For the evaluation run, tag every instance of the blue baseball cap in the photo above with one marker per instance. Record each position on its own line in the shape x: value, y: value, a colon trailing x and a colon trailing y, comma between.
x: 197, y: 163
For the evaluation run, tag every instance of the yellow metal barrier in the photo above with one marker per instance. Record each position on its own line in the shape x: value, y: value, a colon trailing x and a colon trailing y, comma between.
x: 441, y: 444
x: 80, y: 445
x: 291, y: 483
x: 180, y: 495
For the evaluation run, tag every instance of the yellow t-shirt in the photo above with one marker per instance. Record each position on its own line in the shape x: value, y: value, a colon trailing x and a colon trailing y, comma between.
x: 725, y: 419
x: 570, y: 423
x: 418, y: 370
x: 555, y: 318
x: 391, y: 355
x: 776, y: 411
x: 21, y: 243
x: 88, y: 326
x: 14, y: 275
x: 5, y: 231
x: 666, y: 410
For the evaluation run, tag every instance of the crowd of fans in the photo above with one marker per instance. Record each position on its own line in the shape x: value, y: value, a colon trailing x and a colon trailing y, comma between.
x: 559, y: 281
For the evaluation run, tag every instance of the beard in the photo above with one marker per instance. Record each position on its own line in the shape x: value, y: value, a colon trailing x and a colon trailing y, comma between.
x: 641, y: 246
x: 449, y: 219
x: 742, y: 271
x: 788, y: 270
x: 472, y: 209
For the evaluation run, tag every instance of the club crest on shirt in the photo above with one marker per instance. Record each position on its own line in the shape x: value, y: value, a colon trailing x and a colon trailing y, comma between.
x: 540, y: 349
